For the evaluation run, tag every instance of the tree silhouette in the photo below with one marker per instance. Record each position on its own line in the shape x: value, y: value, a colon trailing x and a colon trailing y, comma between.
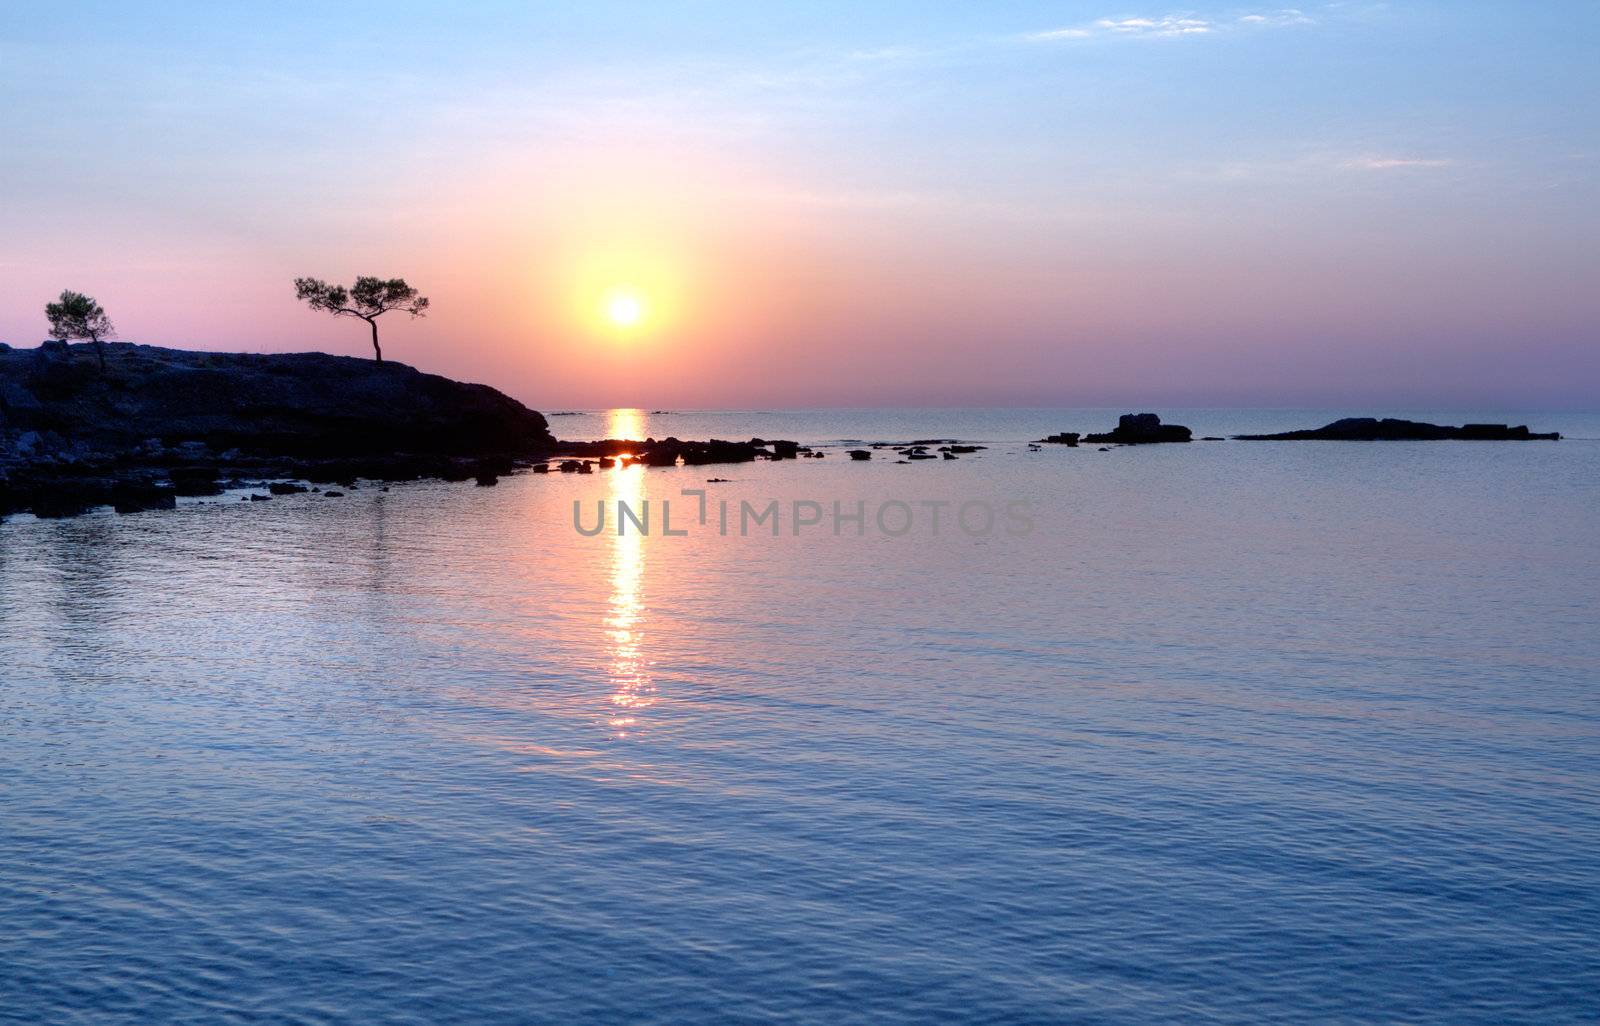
x: 368, y: 299
x: 75, y: 315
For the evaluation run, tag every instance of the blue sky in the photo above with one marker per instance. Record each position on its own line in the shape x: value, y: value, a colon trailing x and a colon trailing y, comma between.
x: 1031, y: 202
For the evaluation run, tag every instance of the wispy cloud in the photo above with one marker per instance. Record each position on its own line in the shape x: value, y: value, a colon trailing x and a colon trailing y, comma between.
x: 1393, y: 163
x: 1277, y: 19
x: 1319, y: 165
x: 1169, y: 25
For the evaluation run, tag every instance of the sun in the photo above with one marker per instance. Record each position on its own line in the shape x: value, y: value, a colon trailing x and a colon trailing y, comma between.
x: 623, y: 307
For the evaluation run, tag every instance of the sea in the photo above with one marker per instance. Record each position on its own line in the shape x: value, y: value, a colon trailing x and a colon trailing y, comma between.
x: 1227, y: 732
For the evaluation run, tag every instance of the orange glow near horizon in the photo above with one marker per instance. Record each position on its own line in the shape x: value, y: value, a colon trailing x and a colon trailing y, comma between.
x: 624, y: 291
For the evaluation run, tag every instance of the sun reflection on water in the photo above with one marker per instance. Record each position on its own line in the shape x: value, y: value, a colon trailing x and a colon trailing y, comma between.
x: 633, y: 688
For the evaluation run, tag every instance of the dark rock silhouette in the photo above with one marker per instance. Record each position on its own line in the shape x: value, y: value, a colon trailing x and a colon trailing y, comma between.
x: 666, y: 452
x: 1063, y: 438
x: 302, y: 404
x: 74, y: 437
x: 1141, y: 429
x: 138, y: 496
x: 861, y: 454
x: 1371, y: 429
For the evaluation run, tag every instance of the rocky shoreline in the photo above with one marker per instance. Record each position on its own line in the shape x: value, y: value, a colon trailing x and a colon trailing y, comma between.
x: 156, y: 425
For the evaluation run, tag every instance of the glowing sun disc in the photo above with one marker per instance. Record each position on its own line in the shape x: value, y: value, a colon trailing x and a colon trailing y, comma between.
x: 624, y: 309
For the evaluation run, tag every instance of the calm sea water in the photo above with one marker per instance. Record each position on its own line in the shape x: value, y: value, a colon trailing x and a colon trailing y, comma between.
x: 1237, y: 732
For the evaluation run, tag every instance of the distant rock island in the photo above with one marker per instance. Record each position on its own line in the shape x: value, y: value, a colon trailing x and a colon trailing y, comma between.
x: 1139, y: 429
x: 1371, y: 429
x: 157, y: 423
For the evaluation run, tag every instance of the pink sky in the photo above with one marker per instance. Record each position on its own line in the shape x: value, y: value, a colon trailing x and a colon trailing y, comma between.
x: 1032, y: 209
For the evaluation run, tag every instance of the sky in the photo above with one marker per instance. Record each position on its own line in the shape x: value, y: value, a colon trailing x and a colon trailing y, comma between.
x: 833, y: 203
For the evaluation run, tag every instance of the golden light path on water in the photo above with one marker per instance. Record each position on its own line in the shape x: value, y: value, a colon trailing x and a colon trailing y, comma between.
x: 633, y: 688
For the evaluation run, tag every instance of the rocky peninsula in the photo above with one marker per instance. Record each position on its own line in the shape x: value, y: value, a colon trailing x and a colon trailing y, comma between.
x: 159, y: 423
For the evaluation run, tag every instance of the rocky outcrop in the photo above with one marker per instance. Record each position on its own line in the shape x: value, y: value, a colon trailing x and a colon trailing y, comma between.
x: 160, y: 423
x: 1371, y: 429
x: 302, y: 404
x: 1061, y: 438
x: 667, y: 452
x: 1141, y: 429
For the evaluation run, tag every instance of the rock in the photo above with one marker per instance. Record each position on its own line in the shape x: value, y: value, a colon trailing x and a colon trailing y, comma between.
x: 962, y: 450
x: 541, y: 468
x: 60, y: 498
x: 303, y: 404
x: 1069, y: 438
x: 139, y: 496
x: 921, y: 456
x: 256, y: 497
x: 951, y: 456
x: 28, y: 443
x: 1370, y: 429
x: 1142, y: 429
x: 716, y: 480
x: 285, y: 488
x: 860, y: 454
x: 331, y: 494
x: 194, y: 481
x: 607, y: 462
